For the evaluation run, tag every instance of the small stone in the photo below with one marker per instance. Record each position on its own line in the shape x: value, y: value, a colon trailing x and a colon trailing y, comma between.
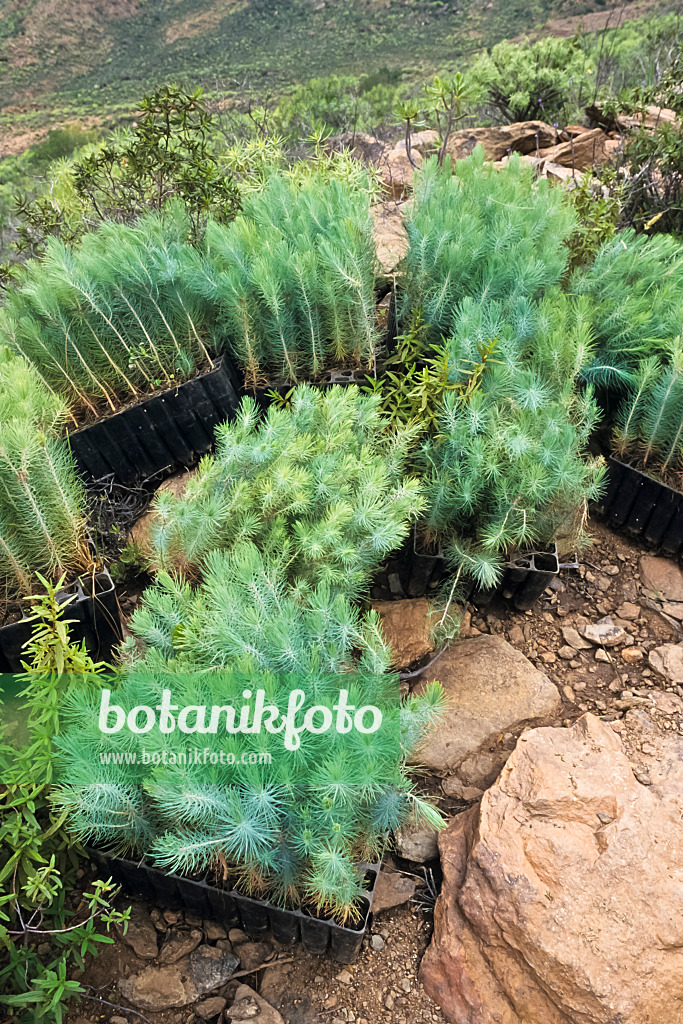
x: 391, y: 890
x: 405, y: 984
x: 642, y: 777
x: 662, y: 576
x: 193, y: 920
x: 214, y: 931
x: 673, y: 609
x: 330, y: 1002
x: 454, y: 787
x: 575, y: 664
x: 140, y: 935
x: 178, y: 945
x: 632, y: 654
x: 574, y: 639
x: 377, y: 943
x: 172, y: 916
x: 252, y: 954
x: 211, y: 967
x: 579, y: 685
x: 611, y: 570
x: 516, y: 636
x: 345, y: 977
x: 250, y: 1007
x: 236, y: 936
x: 628, y: 611
x: 157, y: 920
x: 118, y: 1020
x: 389, y: 1002
x: 601, y: 655
x: 668, y: 660
x: 604, y: 632
x: 567, y: 653
x: 210, y: 1008
x: 569, y: 694
x: 417, y: 844
x: 548, y: 657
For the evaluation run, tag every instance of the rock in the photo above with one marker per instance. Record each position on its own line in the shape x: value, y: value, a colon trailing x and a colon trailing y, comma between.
x: 574, y: 639
x: 628, y: 611
x: 253, y: 954
x: 391, y: 890
x: 236, y: 936
x: 587, y: 150
x: 214, y: 931
x: 520, y: 137
x: 604, y: 632
x: 602, y: 655
x: 118, y: 1020
x: 454, y: 787
x: 141, y: 532
x: 178, y: 945
x: 141, y: 935
x: 211, y: 967
x: 159, y: 988
x: 674, y: 609
x: 557, y: 172
x: 377, y: 943
x: 654, y: 116
x: 173, y: 917
x: 632, y: 654
x: 249, y: 1005
x: 516, y: 636
x: 569, y: 694
x: 546, y: 914
x: 662, y: 576
x: 345, y: 977
x: 668, y: 661
x: 210, y: 1008
x: 275, y: 984
x: 389, y: 233
x: 566, y: 653
x: 361, y: 146
x: 417, y: 844
x: 493, y: 690
x: 406, y: 626
x: 425, y: 143
x: 548, y: 657
x: 398, y: 173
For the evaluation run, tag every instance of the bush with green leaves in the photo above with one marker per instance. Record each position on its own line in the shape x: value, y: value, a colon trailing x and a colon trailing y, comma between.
x: 340, y: 103
x: 484, y: 234
x: 322, y: 479
x: 508, y: 469
x: 111, y: 319
x: 44, y: 932
x: 42, y: 501
x: 531, y: 80
x: 293, y: 825
x: 292, y: 279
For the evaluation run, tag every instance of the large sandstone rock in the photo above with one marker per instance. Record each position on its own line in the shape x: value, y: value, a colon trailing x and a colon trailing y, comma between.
x: 562, y: 900
x: 590, y: 149
x: 361, y: 146
x: 398, y: 172
x: 406, y: 626
x: 520, y: 137
x: 389, y: 233
x: 425, y: 143
x: 159, y: 988
x: 493, y: 692
x: 668, y: 661
x: 662, y: 576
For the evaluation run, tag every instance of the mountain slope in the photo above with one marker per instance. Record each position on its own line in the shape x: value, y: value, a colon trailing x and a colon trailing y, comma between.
x: 85, y: 59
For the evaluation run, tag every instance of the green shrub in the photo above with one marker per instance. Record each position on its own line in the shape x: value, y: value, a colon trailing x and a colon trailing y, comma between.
x: 322, y: 480
x: 111, y: 319
x: 339, y: 103
x: 483, y: 234
x: 43, y: 937
x: 42, y: 501
x: 292, y: 279
x: 507, y: 469
x: 534, y: 80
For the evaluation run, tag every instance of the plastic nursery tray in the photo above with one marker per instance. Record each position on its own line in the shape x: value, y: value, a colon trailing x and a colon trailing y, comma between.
x: 643, y: 507
x: 96, y: 615
x: 526, y: 577
x: 165, y: 431
x: 229, y: 907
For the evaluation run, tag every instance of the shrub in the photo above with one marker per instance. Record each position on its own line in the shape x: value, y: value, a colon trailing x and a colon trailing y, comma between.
x: 111, y: 319
x: 42, y: 502
x: 489, y: 235
x: 322, y: 480
x: 533, y: 80
x: 292, y: 279
x: 339, y: 103
x: 507, y: 469
x: 290, y: 828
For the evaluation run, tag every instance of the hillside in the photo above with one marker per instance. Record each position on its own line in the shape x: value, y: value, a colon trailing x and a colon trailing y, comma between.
x: 89, y: 60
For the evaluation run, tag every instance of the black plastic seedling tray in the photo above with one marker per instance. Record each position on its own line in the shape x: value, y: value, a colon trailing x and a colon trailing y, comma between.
x: 168, y: 430
x: 643, y: 507
x: 525, y: 578
x: 234, y: 910
x: 96, y: 619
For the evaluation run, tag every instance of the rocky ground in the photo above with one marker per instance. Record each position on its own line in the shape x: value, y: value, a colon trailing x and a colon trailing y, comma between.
x: 603, y: 639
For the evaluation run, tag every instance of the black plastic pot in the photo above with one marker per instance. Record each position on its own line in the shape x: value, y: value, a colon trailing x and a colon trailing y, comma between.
x: 525, y: 578
x: 644, y: 507
x: 96, y: 619
x: 166, y: 431
x: 425, y: 566
x: 235, y: 910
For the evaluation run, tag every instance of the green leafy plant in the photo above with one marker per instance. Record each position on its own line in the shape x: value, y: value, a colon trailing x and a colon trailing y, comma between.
x: 37, y: 861
x: 483, y: 234
x: 42, y: 501
x: 131, y: 562
x: 598, y: 205
x: 292, y: 279
x: 111, y: 319
x: 322, y: 479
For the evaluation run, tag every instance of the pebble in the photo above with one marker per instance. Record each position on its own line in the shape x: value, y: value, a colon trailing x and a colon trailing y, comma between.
x: 389, y: 1002
x: 345, y: 977
x: 567, y: 653
x: 548, y: 657
x: 377, y: 943
x: 601, y: 655
x: 569, y: 694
